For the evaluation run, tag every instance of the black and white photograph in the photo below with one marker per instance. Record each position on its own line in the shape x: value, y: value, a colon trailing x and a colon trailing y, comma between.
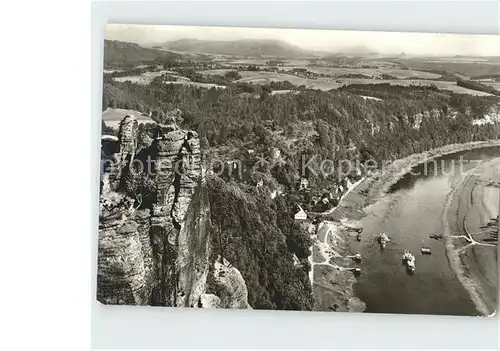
x: 299, y: 169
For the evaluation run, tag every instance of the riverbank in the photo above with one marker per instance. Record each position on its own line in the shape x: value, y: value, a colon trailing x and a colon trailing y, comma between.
x: 331, y: 273
x: 471, y: 252
x: 351, y: 208
x: 379, y: 183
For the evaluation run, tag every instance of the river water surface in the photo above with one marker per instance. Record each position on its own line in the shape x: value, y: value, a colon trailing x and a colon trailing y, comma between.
x: 408, y: 215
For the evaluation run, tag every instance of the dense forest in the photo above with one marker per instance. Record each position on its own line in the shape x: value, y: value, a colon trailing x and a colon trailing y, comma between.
x: 259, y: 234
x: 260, y: 238
x: 119, y: 53
x: 234, y: 116
x: 475, y: 85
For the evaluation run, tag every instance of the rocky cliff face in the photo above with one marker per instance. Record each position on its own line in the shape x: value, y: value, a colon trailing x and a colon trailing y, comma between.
x: 123, y: 269
x: 155, y: 253
x: 127, y: 145
x: 230, y: 288
x: 178, y: 173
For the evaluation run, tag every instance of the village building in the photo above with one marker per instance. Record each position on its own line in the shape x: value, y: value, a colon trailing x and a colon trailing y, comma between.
x: 349, y: 184
x: 341, y: 190
x: 359, y: 173
x: 301, y: 215
x: 275, y: 153
x: 280, y: 189
x: 304, y: 183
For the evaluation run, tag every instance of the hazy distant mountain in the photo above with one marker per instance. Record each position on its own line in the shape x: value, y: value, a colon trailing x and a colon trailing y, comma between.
x: 117, y: 53
x: 244, y: 47
x: 349, y: 51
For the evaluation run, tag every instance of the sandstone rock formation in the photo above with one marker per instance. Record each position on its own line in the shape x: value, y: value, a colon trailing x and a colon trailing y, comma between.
x: 157, y: 255
x: 178, y: 174
x: 210, y: 301
x: 127, y: 144
x: 230, y: 288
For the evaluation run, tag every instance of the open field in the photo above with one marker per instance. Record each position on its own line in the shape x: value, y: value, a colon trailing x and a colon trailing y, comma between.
x: 463, y: 59
x: 199, y: 85
x: 457, y: 67
x: 370, y: 98
x: 326, y: 84
x: 145, y: 78
x: 277, y: 92
x: 148, y: 77
x: 335, y: 72
x: 215, y: 72
x: 268, y: 77
x: 251, y: 61
x: 109, y: 71
x: 113, y: 116
x: 495, y: 85
x: 258, y: 77
x: 372, y: 72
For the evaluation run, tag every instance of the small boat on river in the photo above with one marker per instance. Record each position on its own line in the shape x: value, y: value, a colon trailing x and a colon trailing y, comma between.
x: 409, y: 261
x: 436, y: 236
x: 410, y: 265
x: 383, y: 239
x: 357, y: 257
x: 426, y: 250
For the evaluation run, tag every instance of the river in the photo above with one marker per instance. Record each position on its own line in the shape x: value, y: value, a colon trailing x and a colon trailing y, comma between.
x: 408, y: 215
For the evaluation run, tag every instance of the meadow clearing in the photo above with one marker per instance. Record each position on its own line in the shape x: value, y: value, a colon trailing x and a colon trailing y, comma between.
x: 326, y: 84
x: 145, y: 78
x: 113, y: 116
x: 371, y: 72
x: 495, y: 85
x: 321, y: 83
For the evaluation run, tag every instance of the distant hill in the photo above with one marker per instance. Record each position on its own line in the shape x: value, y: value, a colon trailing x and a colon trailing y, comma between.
x: 350, y: 51
x: 244, y: 47
x: 120, y: 53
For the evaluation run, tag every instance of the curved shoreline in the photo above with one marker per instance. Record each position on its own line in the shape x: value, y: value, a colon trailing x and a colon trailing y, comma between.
x: 377, y: 185
x: 453, y: 253
x: 399, y: 168
x: 475, y: 263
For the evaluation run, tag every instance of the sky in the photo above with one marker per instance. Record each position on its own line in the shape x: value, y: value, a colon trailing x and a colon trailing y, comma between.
x: 425, y: 44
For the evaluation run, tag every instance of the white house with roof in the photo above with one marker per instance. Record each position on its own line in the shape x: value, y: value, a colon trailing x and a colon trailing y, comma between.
x: 304, y: 183
x: 301, y: 215
x: 348, y: 183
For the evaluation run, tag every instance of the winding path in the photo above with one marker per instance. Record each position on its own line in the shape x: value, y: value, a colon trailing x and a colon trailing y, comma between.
x: 323, y: 248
